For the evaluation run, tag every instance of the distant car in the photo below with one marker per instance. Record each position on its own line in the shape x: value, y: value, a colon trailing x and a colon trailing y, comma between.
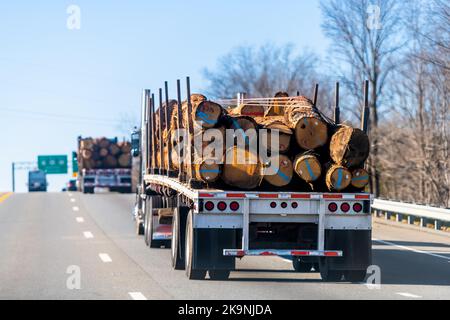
x: 37, y: 181
x: 72, y: 185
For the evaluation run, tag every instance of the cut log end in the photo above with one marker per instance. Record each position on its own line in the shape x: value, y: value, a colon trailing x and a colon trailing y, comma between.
x: 242, y: 169
x: 311, y: 133
x: 279, y: 171
x: 338, y: 178
x: 349, y: 146
x: 207, y: 172
x: 360, y: 178
x: 207, y: 114
x: 308, y: 167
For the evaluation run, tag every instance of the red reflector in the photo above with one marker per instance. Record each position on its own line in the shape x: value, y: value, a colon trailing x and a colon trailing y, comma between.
x: 209, y: 206
x: 300, y: 253
x: 235, y: 195
x: 222, y: 206
x: 294, y: 205
x: 300, y: 196
x: 206, y: 195
x: 362, y: 196
x: 332, y: 196
x: 284, y: 205
x: 345, y: 207
x: 234, y: 206
x: 332, y: 207
x: 267, y: 253
x: 273, y: 204
x: 357, y: 207
x: 331, y: 254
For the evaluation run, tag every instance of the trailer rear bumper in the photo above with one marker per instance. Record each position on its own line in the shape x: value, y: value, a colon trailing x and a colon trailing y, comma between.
x: 295, y: 253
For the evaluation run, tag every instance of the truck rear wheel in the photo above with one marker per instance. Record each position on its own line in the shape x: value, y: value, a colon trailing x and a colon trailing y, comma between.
x: 191, y: 273
x: 355, y: 275
x: 301, y: 266
x: 178, y: 237
x: 150, y: 203
x: 329, y: 275
x: 219, y: 274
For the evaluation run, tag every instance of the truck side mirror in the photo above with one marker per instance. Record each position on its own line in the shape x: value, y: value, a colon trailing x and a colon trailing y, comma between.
x: 136, y: 143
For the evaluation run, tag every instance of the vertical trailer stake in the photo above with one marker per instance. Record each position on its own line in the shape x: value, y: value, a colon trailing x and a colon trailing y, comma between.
x: 337, y: 111
x: 161, y: 148
x: 153, y: 120
x: 190, y: 128
x: 316, y: 91
x: 145, y: 143
x: 169, y: 146
x: 150, y: 133
x: 366, y: 111
x: 179, y: 126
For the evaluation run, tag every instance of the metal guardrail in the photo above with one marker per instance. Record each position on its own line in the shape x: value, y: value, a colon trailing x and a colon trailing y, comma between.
x: 424, y: 214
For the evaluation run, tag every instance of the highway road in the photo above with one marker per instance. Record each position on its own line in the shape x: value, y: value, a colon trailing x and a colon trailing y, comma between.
x: 48, y: 239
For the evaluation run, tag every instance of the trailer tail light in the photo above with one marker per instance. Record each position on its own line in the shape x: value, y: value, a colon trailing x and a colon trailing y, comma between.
x: 294, y: 205
x: 273, y: 204
x: 345, y: 207
x: 234, y: 206
x: 209, y: 206
x: 357, y: 207
x: 332, y: 207
x: 222, y: 206
x: 284, y: 205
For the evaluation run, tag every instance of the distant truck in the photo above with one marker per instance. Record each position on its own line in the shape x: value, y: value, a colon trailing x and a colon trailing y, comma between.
x: 104, y: 163
x: 37, y: 181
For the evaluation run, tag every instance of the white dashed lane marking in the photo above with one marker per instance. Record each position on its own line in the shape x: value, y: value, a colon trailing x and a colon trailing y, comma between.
x: 88, y: 235
x: 80, y: 219
x: 75, y: 209
x: 105, y: 257
x: 137, y: 296
x: 72, y: 200
x: 411, y: 249
x: 408, y: 295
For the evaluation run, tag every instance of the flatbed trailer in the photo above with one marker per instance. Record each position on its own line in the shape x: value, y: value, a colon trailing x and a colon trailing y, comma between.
x: 208, y: 229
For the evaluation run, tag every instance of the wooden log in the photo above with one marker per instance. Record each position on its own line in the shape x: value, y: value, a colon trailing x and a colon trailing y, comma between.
x: 308, y: 167
x: 278, y: 104
x: 240, y: 124
x: 86, y: 154
x: 275, y: 123
x: 281, y: 174
x: 360, y: 178
x: 207, y: 171
x: 110, y: 161
x: 103, y: 143
x: 310, y: 130
x: 125, y: 146
x: 103, y: 152
x: 237, y: 173
x: 124, y: 160
x: 114, y: 149
x: 349, y: 146
x: 252, y: 109
x: 87, y: 143
x: 338, y: 178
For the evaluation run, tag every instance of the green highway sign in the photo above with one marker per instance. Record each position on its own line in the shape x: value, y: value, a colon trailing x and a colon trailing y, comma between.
x: 53, y: 164
x: 74, y: 162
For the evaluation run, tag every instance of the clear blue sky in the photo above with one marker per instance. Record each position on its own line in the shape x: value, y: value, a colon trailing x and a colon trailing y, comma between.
x: 56, y: 83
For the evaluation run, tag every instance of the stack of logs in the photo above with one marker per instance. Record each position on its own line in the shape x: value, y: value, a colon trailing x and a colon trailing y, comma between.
x: 103, y: 153
x: 314, y: 153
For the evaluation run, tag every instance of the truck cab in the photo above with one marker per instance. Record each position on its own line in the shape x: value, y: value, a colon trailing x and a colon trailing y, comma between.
x: 37, y: 181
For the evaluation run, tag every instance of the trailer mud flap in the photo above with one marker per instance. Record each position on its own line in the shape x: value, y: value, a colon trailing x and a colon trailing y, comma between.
x: 209, y: 245
x: 356, y: 246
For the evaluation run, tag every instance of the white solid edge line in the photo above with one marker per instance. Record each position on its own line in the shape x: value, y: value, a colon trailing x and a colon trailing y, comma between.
x: 88, y: 234
x: 411, y: 249
x: 408, y: 295
x: 75, y: 209
x: 79, y: 219
x: 137, y: 296
x: 105, y: 257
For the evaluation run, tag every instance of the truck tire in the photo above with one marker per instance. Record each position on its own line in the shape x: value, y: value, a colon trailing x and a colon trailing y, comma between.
x: 178, y: 237
x: 140, y: 229
x: 328, y: 275
x: 219, y: 275
x: 301, y: 266
x: 191, y: 273
x: 355, y: 275
x: 150, y: 203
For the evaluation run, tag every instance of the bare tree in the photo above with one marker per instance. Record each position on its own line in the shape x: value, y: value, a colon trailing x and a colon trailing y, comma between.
x: 364, y: 38
x: 261, y: 72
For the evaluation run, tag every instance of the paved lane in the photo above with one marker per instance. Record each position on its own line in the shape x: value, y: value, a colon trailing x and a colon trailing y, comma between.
x: 43, y: 236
